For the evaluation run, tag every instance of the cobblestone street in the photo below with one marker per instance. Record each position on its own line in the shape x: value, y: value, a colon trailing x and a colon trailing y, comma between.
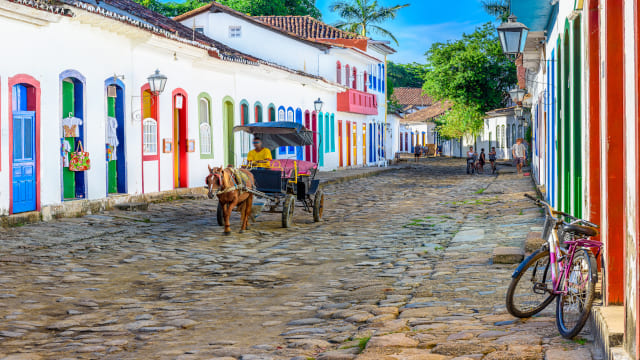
x: 403, y: 257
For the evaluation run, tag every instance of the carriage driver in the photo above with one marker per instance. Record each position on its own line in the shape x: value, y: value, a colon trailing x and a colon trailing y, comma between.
x: 260, y: 156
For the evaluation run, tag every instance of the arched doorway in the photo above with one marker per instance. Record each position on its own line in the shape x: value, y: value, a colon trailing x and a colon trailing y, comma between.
x: 150, y: 141
x: 180, y: 139
x: 72, y: 129
x: 24, y: 140
x: 115, y: 137
x: 228, y: 123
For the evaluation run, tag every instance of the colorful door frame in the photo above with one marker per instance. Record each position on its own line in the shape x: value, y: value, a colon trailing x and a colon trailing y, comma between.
x: 354, y: 142
x: 314, y: 128
x: 348, y: 144
x: 364, y: 144
x: 340, y: 152
x: 180, y: 139
x: 228, y: 123
x: 72, y: 102
x: 321, y: 139
x: 32, y: 104
x: 613, y: 207
x: 307, y: 124
x: 150, y: 105
x: 299, y: 149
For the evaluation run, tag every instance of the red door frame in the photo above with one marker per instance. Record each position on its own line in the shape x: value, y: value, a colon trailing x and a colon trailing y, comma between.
x: 154, y: 114
x: 183, y: 142
x: 307, y: 124
x: 636, y: 17
x: 341, y: 156
x: 314, y: 128
x: 593, y: 96
x: 614, y: 208
x: 33, y: 105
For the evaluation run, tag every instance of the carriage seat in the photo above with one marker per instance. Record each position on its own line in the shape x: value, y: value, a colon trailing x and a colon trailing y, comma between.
x: 287, y: 166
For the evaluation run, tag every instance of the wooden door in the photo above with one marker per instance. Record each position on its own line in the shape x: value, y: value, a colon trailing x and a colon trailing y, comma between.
x: 24, y: 161
x: 341, y: 156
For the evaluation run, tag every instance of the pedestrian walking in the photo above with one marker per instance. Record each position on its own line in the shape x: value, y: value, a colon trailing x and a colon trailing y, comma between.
x: 417, y: 151
x: 519, y: 152
x: 492, y: 158
x: 471, y: 160
x: 481, y: 162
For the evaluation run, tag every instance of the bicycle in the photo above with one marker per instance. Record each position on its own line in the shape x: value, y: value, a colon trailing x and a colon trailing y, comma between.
x: 565, y: 270
x: 471, y: 165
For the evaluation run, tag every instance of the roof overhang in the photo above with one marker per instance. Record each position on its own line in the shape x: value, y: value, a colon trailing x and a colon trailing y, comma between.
x: 382, y: 46
x: 535, y: 14
x: 532, y: 50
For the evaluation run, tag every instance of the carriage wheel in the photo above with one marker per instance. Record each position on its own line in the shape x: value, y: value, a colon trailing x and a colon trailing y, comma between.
x: 287, y: 211
x: 220, y: 215
x: 318, y: 206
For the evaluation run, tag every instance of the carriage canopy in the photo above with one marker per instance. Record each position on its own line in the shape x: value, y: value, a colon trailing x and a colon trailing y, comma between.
x: 279, y: 133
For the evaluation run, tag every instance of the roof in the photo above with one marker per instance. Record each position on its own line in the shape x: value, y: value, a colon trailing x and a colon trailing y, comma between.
x: 45, y: 6
x: 411, y: 96
x: 308, y: 27
x: 217, y: 7
x: 501, y: 112
x: 134, y: 14
x: 429, y: 113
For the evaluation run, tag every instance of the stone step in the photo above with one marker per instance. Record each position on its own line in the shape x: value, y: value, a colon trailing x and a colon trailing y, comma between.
x: 132, y: 206
x: 607, y: 326
x: 508, y: 255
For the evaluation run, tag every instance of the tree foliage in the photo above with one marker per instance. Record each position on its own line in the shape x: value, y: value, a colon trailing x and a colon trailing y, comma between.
x: 406, y: 75
x: 363, y: 16
x: 497, y: 8
x: 474, y: 74
x: 252, y: 7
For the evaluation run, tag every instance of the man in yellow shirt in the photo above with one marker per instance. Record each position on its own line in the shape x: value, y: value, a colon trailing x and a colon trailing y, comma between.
x: 260, y: 156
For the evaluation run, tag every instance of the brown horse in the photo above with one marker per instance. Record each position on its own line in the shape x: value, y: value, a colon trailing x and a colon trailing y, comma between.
x: 232, y: 192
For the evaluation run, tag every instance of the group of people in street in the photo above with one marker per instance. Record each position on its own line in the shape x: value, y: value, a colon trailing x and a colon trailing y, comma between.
x: 419, y: 150
x: 476, y: 162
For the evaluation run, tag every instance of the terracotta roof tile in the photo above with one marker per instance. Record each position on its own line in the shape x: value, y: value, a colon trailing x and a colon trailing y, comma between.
x: 411, y: 96
x: 424, y: 115
x: 307, y: 27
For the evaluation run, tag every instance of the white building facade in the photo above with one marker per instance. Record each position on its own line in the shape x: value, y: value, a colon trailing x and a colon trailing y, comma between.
x: 79, y: 72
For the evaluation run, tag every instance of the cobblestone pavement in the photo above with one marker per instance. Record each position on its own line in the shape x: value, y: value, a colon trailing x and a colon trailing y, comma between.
x: 403, y: 257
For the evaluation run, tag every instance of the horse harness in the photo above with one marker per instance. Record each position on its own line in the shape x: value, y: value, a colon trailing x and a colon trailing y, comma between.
x: 239, y: 182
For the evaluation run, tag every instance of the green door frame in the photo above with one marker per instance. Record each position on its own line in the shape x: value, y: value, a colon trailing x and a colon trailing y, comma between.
x: 576, y: 82
x: 228, y: 124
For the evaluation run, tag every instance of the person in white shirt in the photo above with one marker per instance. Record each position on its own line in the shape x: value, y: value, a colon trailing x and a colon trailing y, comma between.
x: 519, y: 152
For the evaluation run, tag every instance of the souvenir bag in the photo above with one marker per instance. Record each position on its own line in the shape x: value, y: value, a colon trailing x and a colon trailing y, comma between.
x: 79, y: 159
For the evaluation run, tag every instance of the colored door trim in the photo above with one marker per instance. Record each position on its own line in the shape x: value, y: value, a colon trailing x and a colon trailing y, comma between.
x: 29, y: 80
x: 181, y: 139
x: 154, y: 110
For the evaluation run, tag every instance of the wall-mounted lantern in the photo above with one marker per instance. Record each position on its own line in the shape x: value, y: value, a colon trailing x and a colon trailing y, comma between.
x: 318, y: 105
x: 513, y: 36
x: 157, y: 82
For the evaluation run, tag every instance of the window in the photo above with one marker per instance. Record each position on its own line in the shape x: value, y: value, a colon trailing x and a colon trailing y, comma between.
x: 281, y: 115
x: 258, y: 113
x: 290, y: 116
x: 199, y: 29
x: 365, y: 81
x: 347, y: 74
x: 235, y: 32
x: 205, y: 127
x: 150, y: 144
x: 498, y: 138
x: 339, y: 73
x: 272, y: 113
x: 355, y: 78
x: 504, y: 137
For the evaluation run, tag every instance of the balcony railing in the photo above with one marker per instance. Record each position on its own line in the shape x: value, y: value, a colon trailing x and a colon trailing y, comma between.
x: 358, y: 102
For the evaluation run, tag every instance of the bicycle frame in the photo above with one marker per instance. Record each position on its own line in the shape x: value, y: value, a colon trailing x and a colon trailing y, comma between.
x: 558, y: 261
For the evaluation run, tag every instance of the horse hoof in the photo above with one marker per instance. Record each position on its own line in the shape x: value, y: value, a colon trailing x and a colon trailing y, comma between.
x: 226, y: 233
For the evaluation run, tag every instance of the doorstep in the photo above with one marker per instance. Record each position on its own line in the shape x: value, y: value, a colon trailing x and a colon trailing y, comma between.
x: 77, y: 208
x: 607, y: 327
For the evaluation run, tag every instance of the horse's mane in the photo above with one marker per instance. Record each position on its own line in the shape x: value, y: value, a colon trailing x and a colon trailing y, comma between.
x: 226, y: 178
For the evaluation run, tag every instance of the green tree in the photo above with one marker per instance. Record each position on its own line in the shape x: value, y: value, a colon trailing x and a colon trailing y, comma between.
x: 473, y: 74
x: 252, y: 7
x: 498, y: 8
x: 362, y: 16
x: 406, y: 75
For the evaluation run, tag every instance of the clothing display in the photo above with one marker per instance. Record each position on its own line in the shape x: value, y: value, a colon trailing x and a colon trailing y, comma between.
x: 112, y: 136
x: 71, y: 126
x: 65, y: 149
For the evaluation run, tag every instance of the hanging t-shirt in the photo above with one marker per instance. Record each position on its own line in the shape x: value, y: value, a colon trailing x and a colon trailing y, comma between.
x: 112, y: 135
x: 71, y: 126
x: 66, y: 148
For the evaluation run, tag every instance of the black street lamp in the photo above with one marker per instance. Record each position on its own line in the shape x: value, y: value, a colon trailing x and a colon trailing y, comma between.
x: 318, y: 105
x: 157, y: 82
x: 513, y: 36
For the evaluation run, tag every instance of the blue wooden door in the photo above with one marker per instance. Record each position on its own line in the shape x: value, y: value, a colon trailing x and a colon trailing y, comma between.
x: 24, y: 161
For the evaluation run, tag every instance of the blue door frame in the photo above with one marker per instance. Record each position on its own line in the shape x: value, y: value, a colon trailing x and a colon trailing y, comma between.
x: 24, y: 161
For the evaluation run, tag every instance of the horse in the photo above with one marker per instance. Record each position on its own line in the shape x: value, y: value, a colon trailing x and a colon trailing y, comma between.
x: 231, y: 192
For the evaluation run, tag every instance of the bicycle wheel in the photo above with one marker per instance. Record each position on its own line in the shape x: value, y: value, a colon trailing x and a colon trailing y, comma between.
x: 574, y: 308
x: 530, y: 290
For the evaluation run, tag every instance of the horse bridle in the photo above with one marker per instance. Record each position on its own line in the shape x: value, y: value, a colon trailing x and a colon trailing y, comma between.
x: 215, y: 176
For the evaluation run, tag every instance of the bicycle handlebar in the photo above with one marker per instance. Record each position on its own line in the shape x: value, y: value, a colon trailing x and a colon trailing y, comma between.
x: 551, y: 212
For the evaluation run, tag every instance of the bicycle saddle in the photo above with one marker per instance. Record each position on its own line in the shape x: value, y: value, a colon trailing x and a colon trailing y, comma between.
x: 580, y: 230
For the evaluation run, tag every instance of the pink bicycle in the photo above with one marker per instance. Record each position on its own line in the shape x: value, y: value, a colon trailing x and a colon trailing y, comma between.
x: 564, y: 268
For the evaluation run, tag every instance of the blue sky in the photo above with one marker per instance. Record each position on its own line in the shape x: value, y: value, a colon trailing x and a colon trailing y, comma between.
x: 423, y: 23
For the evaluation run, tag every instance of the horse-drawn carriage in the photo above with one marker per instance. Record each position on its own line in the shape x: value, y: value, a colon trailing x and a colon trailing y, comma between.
x: 281, y: 183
